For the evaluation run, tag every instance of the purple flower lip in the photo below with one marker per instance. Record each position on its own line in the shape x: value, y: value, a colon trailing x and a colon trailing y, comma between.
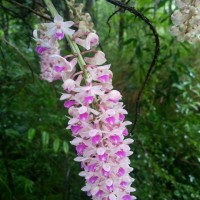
x: 99, y: 194
x: 59, y: 69
x: 84, y: 116
x: 96, y: 139
x: 75, y: 129
x: 121, y: 172
x: 103, y: 157
x: 93, y: 179
x: 93, y: 42
x: 113, y: 100
x: 110, y: 188
x: 115, y: 139
x: 59, y: 36
x: 126, y: 197
x: 123, y: 184
x: 40, y: 49
x: 105, y: 173
x: 121, y: 154
x: 125, y: 132
x: 69, y: 103
x: 88, y: 99
x: 91, y: 168
x: 121, y: 117
x: 110, y: 120
x: 103, y: 78
x: 80, y: 148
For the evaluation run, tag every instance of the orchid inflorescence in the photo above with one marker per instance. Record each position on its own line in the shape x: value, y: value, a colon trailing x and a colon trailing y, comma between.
x: 186, y: 21
x: 97, y: 115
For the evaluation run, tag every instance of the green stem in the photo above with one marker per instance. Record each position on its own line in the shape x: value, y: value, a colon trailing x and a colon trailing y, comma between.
x: 51, y: 7
x: 72, y: 44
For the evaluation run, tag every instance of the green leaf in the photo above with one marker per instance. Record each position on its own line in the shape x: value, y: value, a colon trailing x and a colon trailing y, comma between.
x: 31, y: 134
x: 45, y: 138
x: 65, y: 147
x: 131, y: 40
x: 56, y: 144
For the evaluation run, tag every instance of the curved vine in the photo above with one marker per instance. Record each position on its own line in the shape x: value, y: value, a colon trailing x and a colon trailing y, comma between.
x: 153, y: 62
x: 114, y: 13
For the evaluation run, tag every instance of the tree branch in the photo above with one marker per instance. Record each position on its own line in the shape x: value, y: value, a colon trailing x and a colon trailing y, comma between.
x: 14, y: 14
x: 28, y: 8
x: 21, y: 54
x: 112, y: 15
x: 156, y: 53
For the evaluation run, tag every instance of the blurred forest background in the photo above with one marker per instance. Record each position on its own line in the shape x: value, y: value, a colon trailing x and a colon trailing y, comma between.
x: 36, y: 160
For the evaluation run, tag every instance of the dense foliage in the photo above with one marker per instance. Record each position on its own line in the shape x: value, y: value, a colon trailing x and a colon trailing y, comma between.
x: 36, y: 161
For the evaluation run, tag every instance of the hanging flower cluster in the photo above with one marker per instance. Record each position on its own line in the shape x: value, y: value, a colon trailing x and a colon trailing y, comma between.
x: 186, y: 21
x: 97, y: 115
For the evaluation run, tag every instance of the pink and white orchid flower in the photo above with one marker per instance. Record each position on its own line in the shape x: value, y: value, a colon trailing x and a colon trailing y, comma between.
x: 91, y: 40
x: 98, y: 59
x: 59, y: 28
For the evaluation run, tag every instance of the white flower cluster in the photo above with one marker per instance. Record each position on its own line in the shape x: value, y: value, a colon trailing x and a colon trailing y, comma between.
x: 186, y: 21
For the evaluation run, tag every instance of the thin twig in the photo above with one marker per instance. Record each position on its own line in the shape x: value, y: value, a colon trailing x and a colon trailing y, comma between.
x: 14, y: 14
x: 114, y: 13
x: 109, y: 18
x: 4, y: 63
x: 156, y: 53
x: 21, y: 54
x: 28, y: 8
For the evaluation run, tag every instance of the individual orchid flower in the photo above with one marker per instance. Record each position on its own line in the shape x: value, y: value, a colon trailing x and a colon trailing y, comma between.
x: 59, y: 28
x: 113, y: 96
x: 101, y: 74
x: 86, y: 94
x: 43, y: 43
x: 98, y: 59
x: 91, y: 40
x: 61, y: 64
